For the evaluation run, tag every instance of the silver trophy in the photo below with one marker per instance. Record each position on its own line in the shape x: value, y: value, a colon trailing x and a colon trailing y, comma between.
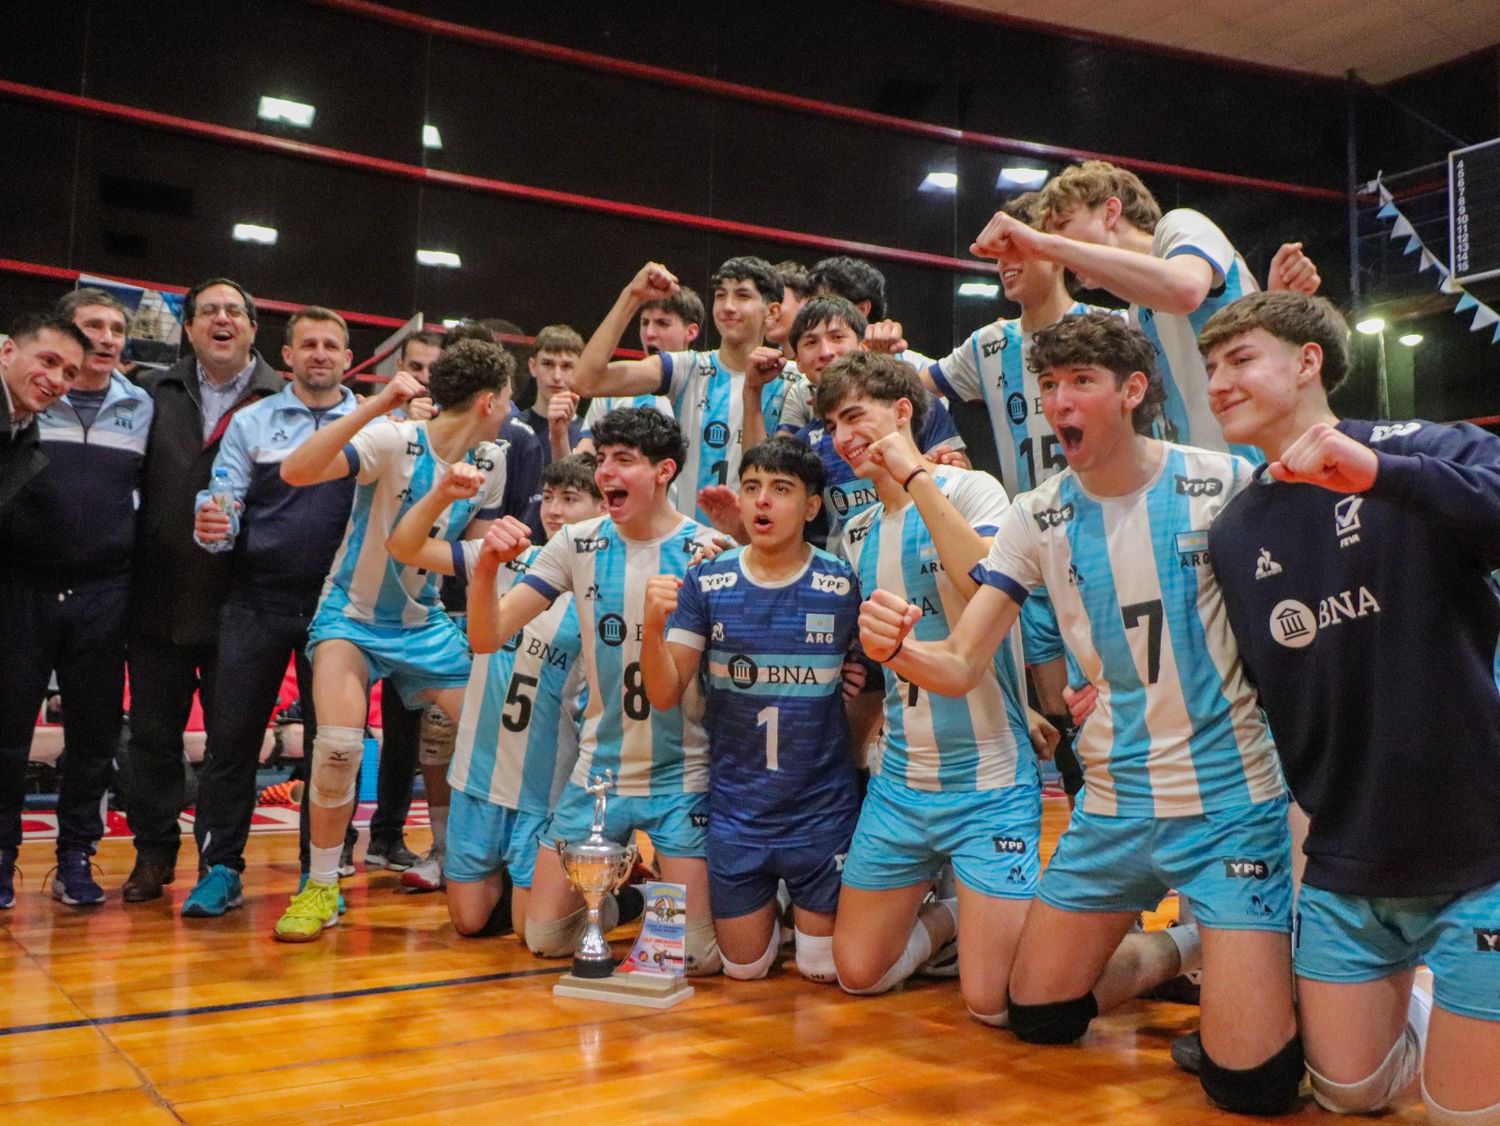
x: 595, y: 866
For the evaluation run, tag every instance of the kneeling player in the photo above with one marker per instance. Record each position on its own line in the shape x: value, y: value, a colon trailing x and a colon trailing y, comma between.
x: 1356, y: 574
x: 769, y: 624
x: 1181, y: 786
x: 518, y: 735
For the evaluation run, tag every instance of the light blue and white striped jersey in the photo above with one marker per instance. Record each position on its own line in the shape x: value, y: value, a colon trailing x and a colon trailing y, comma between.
x: 1175, y: 337
x: 990, y: 368
x: 933, y: 742
x: 518, y: 735
x: 1178, y: 731
x: 709, y: 401
x: 395, y: 466
x: 600, y: 407
x: 650, y: 752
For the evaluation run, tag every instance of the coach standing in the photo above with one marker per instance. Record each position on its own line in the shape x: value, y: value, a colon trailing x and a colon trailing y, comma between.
x: 179, y: 588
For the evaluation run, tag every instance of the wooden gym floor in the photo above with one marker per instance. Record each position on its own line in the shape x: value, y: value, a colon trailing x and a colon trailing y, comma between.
x: 128, y: 1014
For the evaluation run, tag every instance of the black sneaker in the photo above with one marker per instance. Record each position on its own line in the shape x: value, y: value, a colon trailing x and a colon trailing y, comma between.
x: 74, y: 883
x: 1187, y: 1052
x: 7, y: 878
x: 392, y: 854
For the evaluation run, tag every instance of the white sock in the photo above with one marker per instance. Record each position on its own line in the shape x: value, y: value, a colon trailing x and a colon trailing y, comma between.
x: 1189, y: 947
x: 439, y: 817
x: 323, y: 865
x: 952, y: 906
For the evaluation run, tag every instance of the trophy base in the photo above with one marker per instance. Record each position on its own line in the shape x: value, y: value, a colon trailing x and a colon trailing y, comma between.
x: 654, y: 991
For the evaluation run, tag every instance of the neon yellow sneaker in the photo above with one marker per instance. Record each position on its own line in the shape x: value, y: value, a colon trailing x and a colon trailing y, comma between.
x: 312, y: 911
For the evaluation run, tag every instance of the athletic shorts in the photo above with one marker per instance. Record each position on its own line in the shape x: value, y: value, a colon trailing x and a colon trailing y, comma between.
x: 413, y: 659
x: 1234, y: 866
x: 904, y: 836
x: 742, y: 876
x: 484, y: 837
x: 676, y: 823
x: 1354, y: 938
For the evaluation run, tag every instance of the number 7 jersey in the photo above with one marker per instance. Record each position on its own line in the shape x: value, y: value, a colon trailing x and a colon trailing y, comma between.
x: 1178, y: 730
x: 650, y: 752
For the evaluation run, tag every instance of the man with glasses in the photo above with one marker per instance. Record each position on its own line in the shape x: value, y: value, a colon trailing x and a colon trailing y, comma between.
x: 178, y: 587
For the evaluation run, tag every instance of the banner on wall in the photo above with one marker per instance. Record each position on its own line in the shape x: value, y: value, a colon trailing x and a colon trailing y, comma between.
x: 154, y: 331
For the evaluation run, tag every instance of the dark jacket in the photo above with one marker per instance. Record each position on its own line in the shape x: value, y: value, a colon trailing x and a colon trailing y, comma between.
x: 21, y: 456
x: 179, y: 587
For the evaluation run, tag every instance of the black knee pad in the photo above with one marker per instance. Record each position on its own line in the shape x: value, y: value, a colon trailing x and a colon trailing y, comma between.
x: 1060, y: 1022
x: 1267, y: 1088
x: 499, y: 921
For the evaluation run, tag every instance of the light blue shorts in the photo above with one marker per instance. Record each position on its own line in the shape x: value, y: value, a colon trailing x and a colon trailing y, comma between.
x: 676, y: 823
x: 904, y: 836
x: 484, y: 837
x: 412, y: 658
x: 1234, y: 866
x: 1354, y: 938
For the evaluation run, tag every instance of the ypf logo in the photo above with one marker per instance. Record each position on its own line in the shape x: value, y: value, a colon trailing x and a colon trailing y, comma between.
x: 1235, y: 869
x: 1487, y: 941
x: 1293, y: 624
x: 1053, y: 517
x: 743, y: 672
x: 716, y: 434
x: 1013, y: 846
x: 612, y: 629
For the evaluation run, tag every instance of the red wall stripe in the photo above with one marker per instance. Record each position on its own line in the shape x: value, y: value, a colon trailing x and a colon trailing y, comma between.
x: 682, y: 80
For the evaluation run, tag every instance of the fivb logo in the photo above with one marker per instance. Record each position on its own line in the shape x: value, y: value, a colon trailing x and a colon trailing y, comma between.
x: 1246, y: 870
x: 1346, y: 520
x: 722, y: 581
x: 829, y: 584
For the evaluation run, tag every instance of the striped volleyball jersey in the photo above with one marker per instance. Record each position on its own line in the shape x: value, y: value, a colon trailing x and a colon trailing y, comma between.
x: 778, y: 735
x: 990, y: 368
x: 709, y: 403
x: 1177, y: 730
x: 650, y: 752
x: 1175, y: 336
x: 934, y: 742
x: 518, y: 735
x: 601, y: 406
x: 395, y: 465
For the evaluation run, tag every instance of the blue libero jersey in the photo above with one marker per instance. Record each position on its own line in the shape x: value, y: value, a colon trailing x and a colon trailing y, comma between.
x: 518, y: 736
x: 650, y: 752
x: 395, y: 465
x: 1177, y: 731
x: 778, y: 736
x: 933, y: 742
x: 709, y: 402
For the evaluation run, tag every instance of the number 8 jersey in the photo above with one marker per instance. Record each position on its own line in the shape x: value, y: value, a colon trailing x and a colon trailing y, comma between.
x: 1178, y: 730
x: 651, y: 753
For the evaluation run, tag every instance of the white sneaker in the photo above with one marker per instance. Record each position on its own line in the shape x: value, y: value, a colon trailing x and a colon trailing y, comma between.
x: 426, y: 874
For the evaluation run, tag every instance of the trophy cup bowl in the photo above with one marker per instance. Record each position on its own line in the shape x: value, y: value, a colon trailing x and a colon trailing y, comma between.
x: 595, y: 866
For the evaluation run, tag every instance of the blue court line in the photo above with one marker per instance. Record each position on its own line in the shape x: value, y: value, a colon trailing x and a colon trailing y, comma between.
x: 274, y: 1002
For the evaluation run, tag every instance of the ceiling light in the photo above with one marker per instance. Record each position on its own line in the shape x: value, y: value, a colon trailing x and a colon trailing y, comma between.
x: 1370, y: 326
x: 281, y: 109
x: 450, y: 322
x: 979, y: 289
x: 439, y: 258
x: 1020, y: 176
x: 1410, y: 339
x: 940, y: 182
x: 253, y: 232
x: 431, y: 138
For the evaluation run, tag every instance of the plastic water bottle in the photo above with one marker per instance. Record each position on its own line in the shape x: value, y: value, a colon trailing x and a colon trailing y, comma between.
x: 222, y: 494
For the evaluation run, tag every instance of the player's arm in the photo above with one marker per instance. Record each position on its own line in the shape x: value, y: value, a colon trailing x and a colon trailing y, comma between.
x: 1169, y: 285
x: 411, y: 542
x: 595, y: 373
x: 950, y: 667
x: 765, y: 365
x: 211, y: 524
x: 667, y: 667
x: 492, y: 619
x: 865, y: 711
x: 321, y: 456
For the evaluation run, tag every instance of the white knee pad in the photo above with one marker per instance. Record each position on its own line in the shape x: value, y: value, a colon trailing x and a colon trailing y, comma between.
x: 337, y: 752
x: 758, y: 968
x: 1436, y: 1112
x: 918, y: 950
x: 994, y: 1020
x: 435, y: 737
x: 703, y: 958
x: 558, y: 938
x: 815, y: 957
x: 1377, y: 1090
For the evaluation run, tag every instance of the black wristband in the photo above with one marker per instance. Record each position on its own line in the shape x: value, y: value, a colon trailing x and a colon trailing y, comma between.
x: 912, y: 476
x: 894, y: 651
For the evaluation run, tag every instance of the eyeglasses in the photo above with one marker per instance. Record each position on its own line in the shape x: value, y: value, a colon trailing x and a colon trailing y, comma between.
x: 233, y: 310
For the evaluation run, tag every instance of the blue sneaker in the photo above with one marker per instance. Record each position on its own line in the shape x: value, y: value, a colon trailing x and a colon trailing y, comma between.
x: 302, y: 883
x: 7, y: 878
x: 74, y: 884
x: 216, y: 892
